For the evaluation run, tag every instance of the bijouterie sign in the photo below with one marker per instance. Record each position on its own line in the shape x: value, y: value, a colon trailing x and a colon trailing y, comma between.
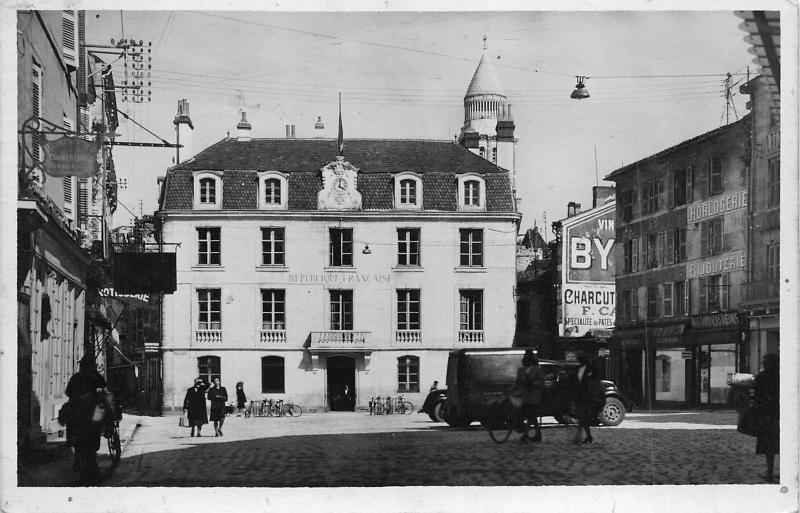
x: 722, y: 264
x: 70, y: 156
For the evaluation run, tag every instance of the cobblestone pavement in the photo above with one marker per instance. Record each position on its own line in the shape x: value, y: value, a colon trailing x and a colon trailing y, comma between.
x: 356, y: 449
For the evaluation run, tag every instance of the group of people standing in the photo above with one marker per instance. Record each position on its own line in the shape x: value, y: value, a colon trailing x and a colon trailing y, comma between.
x: 194, y: 405
x: 585, y: 402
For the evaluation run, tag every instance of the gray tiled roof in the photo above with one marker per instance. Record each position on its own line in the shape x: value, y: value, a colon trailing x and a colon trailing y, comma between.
x: 438, y: 162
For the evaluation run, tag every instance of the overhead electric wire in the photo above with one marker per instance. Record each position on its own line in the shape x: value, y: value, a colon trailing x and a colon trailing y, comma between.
x: 128, y: 117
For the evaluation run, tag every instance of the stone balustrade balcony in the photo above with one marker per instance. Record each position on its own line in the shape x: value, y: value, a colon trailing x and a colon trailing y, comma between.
x: 270, y: 337
x: 408, y: 337
x: 470, y: 337
x: 208, y: 336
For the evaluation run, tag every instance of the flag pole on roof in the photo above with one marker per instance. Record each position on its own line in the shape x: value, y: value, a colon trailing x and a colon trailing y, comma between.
x: 341, y: 132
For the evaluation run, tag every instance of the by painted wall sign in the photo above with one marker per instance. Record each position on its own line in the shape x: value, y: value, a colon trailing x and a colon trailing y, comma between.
x: 70, y: 156
x: 587, y: 285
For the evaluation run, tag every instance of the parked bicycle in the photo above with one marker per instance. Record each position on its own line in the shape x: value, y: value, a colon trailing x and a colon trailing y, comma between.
x: 388, y: 405
x: 291, y: 409
x: 272, y: 408
x: 111, y: 430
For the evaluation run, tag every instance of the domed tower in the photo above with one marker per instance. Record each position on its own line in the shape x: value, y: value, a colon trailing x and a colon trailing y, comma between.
x: 488, y: 128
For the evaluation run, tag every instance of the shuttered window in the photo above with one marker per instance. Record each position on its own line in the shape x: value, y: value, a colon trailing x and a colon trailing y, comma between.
x: 68, y: 37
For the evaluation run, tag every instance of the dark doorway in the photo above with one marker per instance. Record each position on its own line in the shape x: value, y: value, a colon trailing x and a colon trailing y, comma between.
x: 341, y: 383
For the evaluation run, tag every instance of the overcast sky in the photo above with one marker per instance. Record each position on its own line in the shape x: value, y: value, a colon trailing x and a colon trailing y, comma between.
x: 404, y: 75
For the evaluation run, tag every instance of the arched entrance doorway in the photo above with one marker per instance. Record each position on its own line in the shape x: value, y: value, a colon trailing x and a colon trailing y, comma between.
x: 341, y: 383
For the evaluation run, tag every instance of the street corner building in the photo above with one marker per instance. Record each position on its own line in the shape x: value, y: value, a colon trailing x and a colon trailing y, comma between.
x: 329, y: 277
x: 696, y: 283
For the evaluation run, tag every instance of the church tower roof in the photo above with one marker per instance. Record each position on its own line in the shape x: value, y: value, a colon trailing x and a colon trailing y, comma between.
x: 485, y: 80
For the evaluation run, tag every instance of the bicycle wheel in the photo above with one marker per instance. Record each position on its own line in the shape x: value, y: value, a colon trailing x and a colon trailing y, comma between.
x: 115, y: 447
x: 407, y: 407
x: 500, y: 422
x: 294, y: 410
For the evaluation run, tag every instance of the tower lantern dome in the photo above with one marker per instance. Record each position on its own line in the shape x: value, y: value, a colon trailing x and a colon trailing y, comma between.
x: 485, y: 101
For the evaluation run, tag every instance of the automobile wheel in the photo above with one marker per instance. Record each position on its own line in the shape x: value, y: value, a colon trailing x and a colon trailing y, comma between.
x: 613, y: 412
x: 438, y: 412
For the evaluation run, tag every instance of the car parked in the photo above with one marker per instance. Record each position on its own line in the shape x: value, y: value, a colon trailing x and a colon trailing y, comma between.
x: 434, y: 404
x: 478, y: 378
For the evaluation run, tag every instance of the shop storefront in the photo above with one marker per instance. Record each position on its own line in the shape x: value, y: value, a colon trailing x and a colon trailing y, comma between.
x: 684, y: 364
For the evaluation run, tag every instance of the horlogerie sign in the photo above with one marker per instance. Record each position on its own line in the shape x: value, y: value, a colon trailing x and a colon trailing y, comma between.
x: 717, y: 206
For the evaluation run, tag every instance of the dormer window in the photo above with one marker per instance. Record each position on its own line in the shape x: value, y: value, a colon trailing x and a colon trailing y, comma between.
x: 471, y: 192
x: 207, y: 190
x: 472, y: 189
x: 272, y: 190
x: 408, y: 191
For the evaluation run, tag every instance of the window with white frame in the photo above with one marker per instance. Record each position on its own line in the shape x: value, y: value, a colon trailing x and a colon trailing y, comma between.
x: 340, y: 247
x: 714, y: 292
x: 208, y: 246
x: 207, y: 190
x: 341, y: 309
x: 773, y: 261
x: 667, y: 300
x: 470, y: 247
x: 273, y: 309
x: 470, y: 310
x: 272, y: 246
x: 408, y: 311
x: 209, y: 304
x: 471, y: 192
x: 408, y: 191
x: 272, y: 190
x: 408, y: 246
x: 408, y: 374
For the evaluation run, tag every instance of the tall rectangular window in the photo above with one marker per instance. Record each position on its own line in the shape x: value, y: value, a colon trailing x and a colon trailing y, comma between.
x: 408, y: 309
x: 408, y: 246
x: 272, y: 191
x: 773, y: 261
x: 273, y: 309
x: 273, y: 375
x: 209, y: 304
x: 341, y: 307
x: 208, y: 246
x: 669, y: 247
x: 714, y: 175
x: 681, y: 299
x: 208, y: 368
x: 471, y: 247
x: 679, y: 187
x: 774, y: 198
x: 69, y: 197
x: 651, y: 195
x: 341, y: 247
x: 472, y: 196
x: 714, y: 292
x: 408, y: 374
x: 667, y: 302
x: 680, y: 244
x: 630, y: 305
x: 272, y: 246
x: 650, y: 251
x: 711, y: 234
x: 208, y: 190
x: 471, y: 308
x: 652, y: 302
x: 626, y: 205
x: 408, y: 192
x: 68, y: 38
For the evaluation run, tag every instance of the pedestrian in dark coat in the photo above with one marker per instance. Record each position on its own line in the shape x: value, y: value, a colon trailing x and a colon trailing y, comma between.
x: 529, y: 381
x: 241, y: 399
x: 588, y: 396
x: 767, y: 388
x: 85, y: 390
x: 194, y: 406
x: 218, y: 397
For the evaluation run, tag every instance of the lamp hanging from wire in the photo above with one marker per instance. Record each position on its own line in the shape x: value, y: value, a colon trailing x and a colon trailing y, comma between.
x: 580, y: 91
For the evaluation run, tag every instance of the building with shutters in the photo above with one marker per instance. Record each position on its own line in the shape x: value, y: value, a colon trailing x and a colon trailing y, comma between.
x: 681, y: 268
x: 58, y: 316
x: 330, y: 279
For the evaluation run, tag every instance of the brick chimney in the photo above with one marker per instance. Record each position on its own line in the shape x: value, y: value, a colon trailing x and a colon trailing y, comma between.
x: 573, y: 208
x: 183, y: 132
x: 601, y: 193
x: 243, y: 129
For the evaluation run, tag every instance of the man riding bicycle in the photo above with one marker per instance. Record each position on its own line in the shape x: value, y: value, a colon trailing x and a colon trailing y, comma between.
x: 526, y: 396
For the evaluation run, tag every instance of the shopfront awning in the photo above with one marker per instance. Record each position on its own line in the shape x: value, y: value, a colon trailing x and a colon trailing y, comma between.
x: 669, y: 335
